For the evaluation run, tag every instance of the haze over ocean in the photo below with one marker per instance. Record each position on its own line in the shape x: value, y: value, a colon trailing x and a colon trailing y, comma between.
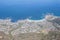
x: 22, y: 9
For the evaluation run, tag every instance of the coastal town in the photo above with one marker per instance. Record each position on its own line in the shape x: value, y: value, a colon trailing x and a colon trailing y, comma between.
x: 29, y: 29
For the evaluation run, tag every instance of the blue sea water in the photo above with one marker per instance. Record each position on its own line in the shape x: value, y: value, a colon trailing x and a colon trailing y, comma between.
x: 22, y: 9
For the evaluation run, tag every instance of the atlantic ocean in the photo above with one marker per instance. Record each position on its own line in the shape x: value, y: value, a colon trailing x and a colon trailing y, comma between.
x: 24, y: 10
